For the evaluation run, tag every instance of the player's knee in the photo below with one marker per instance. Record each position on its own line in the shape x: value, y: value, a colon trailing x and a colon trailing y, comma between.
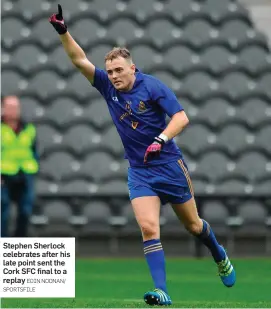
x: 149, y: 230
x: 195, y: 228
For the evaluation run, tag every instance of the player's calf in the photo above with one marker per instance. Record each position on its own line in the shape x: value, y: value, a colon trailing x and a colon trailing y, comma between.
x: 225, y: 268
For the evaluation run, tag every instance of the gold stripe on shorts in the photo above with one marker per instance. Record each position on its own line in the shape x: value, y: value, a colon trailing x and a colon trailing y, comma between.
x: 186, y: 174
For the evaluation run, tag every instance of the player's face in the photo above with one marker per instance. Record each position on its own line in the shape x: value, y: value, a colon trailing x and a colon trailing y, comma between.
x: 121, y: 73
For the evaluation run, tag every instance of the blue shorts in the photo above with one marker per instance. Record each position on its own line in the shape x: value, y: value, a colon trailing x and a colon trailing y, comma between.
x: 170, y: 182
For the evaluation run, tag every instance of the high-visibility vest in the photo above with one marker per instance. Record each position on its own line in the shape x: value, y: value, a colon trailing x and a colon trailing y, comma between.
x: 16, y: 150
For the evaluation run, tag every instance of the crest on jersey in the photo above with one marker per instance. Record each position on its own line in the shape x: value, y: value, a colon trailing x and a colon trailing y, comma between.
x: 141, y: 108
x: 134, y: 124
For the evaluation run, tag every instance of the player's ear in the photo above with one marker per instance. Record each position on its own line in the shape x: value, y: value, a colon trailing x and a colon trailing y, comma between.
x: 133, y: 68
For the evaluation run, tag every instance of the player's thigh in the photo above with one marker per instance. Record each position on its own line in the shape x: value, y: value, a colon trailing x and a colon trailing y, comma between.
x: 188, y: 214
x: 147, y: 214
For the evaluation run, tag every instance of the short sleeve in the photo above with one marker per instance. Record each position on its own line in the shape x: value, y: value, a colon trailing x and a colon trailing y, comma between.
x: 101, y: 81
x: 165, y: 97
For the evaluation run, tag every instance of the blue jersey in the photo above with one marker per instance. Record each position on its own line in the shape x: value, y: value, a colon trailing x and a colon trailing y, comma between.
x: 140, y: 115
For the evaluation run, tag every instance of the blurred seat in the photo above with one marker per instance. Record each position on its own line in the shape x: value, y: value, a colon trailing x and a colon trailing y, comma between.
x: 79, y: 86
x: 106, y: 9
x: 216, y: 214
x: 217, y: 59
x: 97, y: 166
x: 198, y: 85
x: 237, y: 85
x: 216, y: 112
x: 199, y: 184
x: 264, y: 84
x: 198, y: 33
x: 181, y: 59
x: 263, y: 139
x: 114, y: 187
x: 48, y: 139
x: 97, y: 113
x: 251, y: 166
x: 131, y: 227
x: 59, y: 60
x: 59, y: 166
x: 57, y: 212
x: 27, y: 58
x: 254, y: 59
x: 194, y: 139
x: 262, y: 187
x: 77, y: 187
x: 171, y: 225
x: 145, y: 57
x: 46, y: 187
x: 234, y: 139
x: 144, y: 10
x: 64, y: 112
x: 238, y: 33
x: 232, y: 187
x: 254, y: 112
x: 212, y: 165
x: 220, y: 10
x: 98, y: 216
x: 167, y: 78
x: 97, y: 54
x: 122, y: 31
x: 45, y: 84
x: 184, y: 11
x: 30, y: 10
x: 253, y: 214
x: 12, y: 30
x: 165, y: 29
x: 31, y: 110
x: 112, y: 142
x: 49, y: 37
x: 86, y: 31
x: 59, y: 215
x: 80, y: 139
x: 10, y: 82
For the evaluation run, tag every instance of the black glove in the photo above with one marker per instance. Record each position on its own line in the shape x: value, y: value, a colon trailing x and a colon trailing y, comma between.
x: 57, y: 21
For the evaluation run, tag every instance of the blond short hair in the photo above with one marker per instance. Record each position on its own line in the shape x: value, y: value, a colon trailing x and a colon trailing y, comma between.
x: 117, y: 52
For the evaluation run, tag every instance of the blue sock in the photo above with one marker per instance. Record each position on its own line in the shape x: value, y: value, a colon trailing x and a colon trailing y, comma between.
x: 155, y: 257
x: 207, y: 237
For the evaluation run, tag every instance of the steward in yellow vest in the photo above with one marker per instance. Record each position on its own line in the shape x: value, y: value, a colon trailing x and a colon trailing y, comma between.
x: 18, y: 153
x: 19, y: 165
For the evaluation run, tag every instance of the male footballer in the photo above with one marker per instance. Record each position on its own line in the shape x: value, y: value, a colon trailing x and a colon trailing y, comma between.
x: 138, y: 104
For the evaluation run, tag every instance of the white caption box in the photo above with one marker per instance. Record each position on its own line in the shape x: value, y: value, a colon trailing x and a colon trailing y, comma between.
x: 37, y: 267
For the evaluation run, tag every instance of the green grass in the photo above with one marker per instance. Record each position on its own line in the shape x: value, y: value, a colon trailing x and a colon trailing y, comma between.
x: 121, y: 283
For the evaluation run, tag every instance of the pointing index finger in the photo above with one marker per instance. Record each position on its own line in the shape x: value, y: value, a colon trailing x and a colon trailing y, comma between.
x: 60, y: 11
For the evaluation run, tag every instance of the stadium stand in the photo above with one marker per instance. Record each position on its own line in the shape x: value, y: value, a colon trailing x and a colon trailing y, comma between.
x: 207, y: 51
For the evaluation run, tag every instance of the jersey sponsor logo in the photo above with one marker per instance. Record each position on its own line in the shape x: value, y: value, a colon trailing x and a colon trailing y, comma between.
x: 134, y: 124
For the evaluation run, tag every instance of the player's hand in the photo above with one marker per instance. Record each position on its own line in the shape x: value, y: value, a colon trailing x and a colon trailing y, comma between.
x: 57, y: 21
x: 154, y: 149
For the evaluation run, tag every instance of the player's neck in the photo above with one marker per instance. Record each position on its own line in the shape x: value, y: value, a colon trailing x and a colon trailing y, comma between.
x: 13, y: 123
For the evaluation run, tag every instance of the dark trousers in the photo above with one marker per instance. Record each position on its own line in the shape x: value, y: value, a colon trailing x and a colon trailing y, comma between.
x: 20, y: 189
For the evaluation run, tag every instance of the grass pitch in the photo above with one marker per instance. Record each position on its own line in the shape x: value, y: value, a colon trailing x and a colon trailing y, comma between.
x: 121, y: 283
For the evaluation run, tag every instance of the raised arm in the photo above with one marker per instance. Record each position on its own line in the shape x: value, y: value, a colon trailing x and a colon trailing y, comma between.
x: 73, y: 50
